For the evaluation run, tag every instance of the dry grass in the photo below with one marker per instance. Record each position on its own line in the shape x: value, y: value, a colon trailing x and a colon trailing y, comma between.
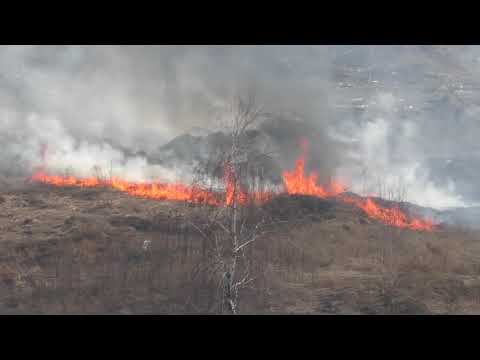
x: 99, y: 251
x: 370, y: 268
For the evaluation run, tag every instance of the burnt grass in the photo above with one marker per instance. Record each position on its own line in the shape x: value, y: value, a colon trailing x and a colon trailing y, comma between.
x: 98, y: 251
x: 291, y: 207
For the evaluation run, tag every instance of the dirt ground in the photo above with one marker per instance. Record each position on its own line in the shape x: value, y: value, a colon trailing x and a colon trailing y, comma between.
x: 97, y: 251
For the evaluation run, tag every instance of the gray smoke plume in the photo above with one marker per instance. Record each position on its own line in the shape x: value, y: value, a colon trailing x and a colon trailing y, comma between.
x: 388, y: 118
x: 103, y: 105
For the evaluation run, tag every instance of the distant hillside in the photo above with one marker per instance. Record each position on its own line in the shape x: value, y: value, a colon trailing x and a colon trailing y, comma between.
x: 279, y: 138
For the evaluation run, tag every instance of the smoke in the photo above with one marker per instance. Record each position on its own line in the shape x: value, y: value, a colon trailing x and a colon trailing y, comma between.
x: 380, y: 167
x: 99, y: 106
x: 387, y: 156
x: 382, y: 112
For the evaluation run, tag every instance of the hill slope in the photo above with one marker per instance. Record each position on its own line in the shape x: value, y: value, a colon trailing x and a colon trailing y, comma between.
x: 67, y: 250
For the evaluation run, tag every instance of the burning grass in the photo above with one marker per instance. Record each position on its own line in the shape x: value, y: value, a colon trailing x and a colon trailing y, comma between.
x: 295, y: 183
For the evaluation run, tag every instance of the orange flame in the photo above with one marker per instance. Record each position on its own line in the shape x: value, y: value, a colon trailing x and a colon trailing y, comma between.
x: 231, y: 191
x: 156, y: 191
x: 389, y: 216
x: 295, y: 183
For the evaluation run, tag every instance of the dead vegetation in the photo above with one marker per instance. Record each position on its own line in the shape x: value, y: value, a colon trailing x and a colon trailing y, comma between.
x: 74, y: 251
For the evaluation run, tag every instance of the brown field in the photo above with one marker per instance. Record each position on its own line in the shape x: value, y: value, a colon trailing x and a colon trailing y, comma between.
x: 84, y: 251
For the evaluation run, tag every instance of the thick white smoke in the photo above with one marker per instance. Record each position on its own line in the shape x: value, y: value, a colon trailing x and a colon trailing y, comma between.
x: 386, y: 159
x: 44, y: 142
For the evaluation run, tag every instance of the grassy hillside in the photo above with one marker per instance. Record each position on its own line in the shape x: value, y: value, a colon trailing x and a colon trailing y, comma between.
x: 96, y: 251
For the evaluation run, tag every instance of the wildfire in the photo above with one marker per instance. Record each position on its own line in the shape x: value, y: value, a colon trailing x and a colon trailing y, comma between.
x: 295, y: 183
x: 231, y: 191
x: 162, y: 191
x: 156, y: 191
x: 390, y: 216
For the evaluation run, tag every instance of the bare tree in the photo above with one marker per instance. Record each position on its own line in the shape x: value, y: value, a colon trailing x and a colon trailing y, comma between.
x: 235, y: 226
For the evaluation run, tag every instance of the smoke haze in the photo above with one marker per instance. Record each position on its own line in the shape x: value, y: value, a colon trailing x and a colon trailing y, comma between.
x: 387, y: 115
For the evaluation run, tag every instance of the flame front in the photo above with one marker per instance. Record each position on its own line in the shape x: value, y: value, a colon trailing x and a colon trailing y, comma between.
x: 231, y: 191
x: 156, y: 191
x: 295, y: 183
x: 390, y: 216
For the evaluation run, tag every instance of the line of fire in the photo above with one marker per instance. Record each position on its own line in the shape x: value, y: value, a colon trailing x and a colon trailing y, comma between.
x: 295, y: 182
